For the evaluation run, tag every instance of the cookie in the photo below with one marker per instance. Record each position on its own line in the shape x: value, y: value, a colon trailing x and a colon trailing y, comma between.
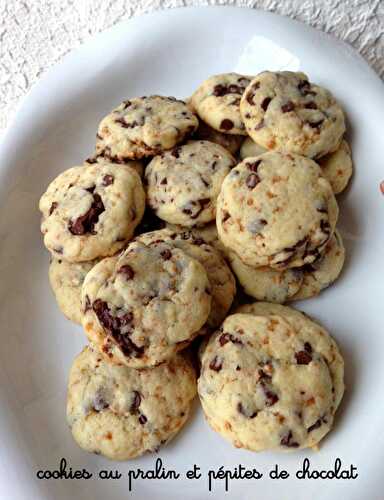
x: 269, y: 383
x: 337, y: 167
x: 105, y: 160
x: 91, y: 212
x: 217, y: 102
x: 321, y: 274
x: 276, y: 210
x: 250, y: 148
x: 66, y: 279
x: 223, y: 285
x: 283, y: 111
x: 265, y: 283
x: 303, y: 323
x: 183, y: 184
x: 144, y: 126
x: 122, y: 413
x: 230, y: 142
x: 146, y: 304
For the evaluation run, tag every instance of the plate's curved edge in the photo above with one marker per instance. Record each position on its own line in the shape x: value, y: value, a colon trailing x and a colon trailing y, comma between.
x: 89, y: 43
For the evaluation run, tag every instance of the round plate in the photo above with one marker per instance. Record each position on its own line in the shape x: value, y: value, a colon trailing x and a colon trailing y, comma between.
x: 170, y: 53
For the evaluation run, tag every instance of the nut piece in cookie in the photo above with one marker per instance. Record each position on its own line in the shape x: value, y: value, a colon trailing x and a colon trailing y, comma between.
x: 144, y: 126
x: 91, y: 212
x: 146, y: 304
x: 183, y: 184
x: 283, y: 111
x: 270, y: 382
x: 122, y: 413
x: 276, y: 210
x: 217, y: 102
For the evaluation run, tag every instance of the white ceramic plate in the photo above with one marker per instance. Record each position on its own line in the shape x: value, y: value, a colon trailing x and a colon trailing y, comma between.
x: 170, y: 53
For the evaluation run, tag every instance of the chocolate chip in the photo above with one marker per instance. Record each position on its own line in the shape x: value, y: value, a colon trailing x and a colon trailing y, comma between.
x: 114, y: 324
x: 289, y: 106
x: 99, y: 402
x: 136, y: 400
x: 287, y: 440
x: 53, y: 208
x: 310, y: 105
x: 304, y: 88
x: 194, y: 208
x: 316, y: 124
x: 303, y: 357
x: 249, y: 98
x: 108, y: 180
x: 87, y: 305
x: 164, y: 181
x: 176, y: 152
x: 166, y: 254
x: 252, y: 180
x: 265, y: 103
x: 126, y: 104
x: 256, y: 226
x: 228, y: 337
x: 127, y: 271
x: 316, y: 425
x: 216, y: 364
x: 143, y: 419
x: 263, y: 375
x: 308, y: 347
x: 226, y: 124
x: 86, y: 223
x: 91, y: 161
x: 271, y: 397
x: 253, y: 167
x: 243, y: 411
x: 226, y: 216
x: 91, y: 189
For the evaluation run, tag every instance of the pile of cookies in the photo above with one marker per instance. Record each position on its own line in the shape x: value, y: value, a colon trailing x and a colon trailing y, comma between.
x: 185, y: 210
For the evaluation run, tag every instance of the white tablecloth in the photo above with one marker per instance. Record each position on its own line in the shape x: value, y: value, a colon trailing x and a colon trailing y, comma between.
x: 35, y: 34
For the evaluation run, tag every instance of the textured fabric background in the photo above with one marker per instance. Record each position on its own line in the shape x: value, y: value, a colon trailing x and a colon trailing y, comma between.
x: 35, y: 34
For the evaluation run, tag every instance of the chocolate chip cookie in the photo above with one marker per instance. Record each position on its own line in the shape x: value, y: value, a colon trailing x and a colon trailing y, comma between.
x: 122, y: 413
x: 183, y: 184
x: 217, y: 102
x: 91, y: 212
x: 144, y: 126
x: 223, y: 285
x: 276, y: 210
x: 66, y: 279
x: 283, y: 111
x: 146, y: 304
x: 268, y: 383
